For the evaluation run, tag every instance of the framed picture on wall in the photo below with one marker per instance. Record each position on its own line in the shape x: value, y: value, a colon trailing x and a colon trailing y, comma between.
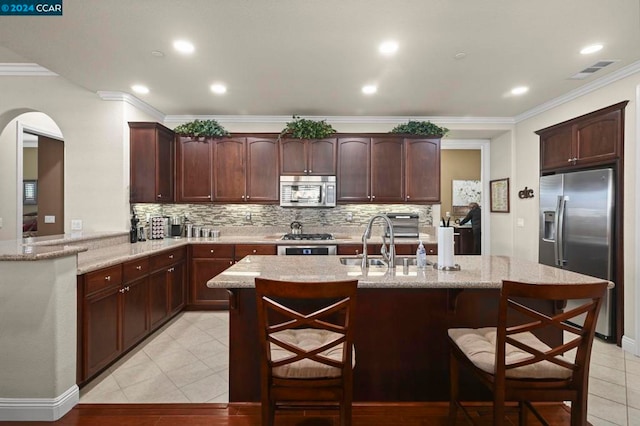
x: 499, y: 190
x: 29, y: 192
x: 465, y: 192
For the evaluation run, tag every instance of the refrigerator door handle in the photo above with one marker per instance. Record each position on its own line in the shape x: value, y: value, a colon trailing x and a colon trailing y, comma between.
x: 559, y: 244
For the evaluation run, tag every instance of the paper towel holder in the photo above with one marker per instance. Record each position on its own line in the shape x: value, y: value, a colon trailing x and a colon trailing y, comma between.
x: 455, y: 267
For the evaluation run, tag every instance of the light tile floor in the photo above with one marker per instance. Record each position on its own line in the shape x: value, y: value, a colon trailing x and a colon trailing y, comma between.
x: 187, y: 361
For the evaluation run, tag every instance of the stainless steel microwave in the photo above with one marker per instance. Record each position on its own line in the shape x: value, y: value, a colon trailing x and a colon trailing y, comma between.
x: 308, y: 191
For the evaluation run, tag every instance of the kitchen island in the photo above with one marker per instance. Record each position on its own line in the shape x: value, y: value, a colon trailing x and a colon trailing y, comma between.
x: 401, y: 319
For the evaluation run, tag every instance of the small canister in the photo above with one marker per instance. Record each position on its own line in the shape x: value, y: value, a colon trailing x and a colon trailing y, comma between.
x: 196, y: 231
x: 189, y: 231
x: 204, y: 232
x: 215, y: 233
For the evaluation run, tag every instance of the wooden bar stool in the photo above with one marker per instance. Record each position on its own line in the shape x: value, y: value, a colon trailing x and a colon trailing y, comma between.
x: 306, y: 345
x: 517, y: 366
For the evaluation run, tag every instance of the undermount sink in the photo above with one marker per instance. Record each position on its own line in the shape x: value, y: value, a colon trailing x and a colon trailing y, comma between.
x: 375, y: 261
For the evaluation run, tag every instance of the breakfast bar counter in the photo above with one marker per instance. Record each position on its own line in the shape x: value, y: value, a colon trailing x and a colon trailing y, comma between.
x: 401, y: 319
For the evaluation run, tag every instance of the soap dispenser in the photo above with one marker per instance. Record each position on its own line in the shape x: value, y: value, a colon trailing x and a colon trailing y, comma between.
x: 421, y: 256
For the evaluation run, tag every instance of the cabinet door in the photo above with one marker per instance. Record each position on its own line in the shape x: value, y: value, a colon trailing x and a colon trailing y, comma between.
x: 354, y: 169
x: 151, y: 162
x: 194, y: 169
x: 177, y: 282
x: 556, y: 148
x: 356, y: 249
x: 321, y: 157
x: 202, y: 270
x: 135, y: 312
x: 229, y: 171
x: 158, y: 298
x: 165, y: 165
x: 387, y: 168
x: 598, y: 139
x: 293, y: 157
x: 100, y: 330
x: 262, y: 170
x: 422, y: 170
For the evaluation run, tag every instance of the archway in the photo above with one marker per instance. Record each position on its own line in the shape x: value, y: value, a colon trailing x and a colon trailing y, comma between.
x: 36, y: 186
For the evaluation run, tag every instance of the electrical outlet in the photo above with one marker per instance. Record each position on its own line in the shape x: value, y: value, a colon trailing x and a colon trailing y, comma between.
x: 76, y: 224
x: 349, y: 217
x: 49, y: 219
x: 0, y: 223
x: 247, y: 216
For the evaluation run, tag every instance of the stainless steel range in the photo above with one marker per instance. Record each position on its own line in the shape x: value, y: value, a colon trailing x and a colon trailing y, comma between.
x: 301, y: 249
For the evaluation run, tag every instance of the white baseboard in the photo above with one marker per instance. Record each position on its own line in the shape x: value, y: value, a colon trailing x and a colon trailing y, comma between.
x: 39, y: 409
x: 629, y: 345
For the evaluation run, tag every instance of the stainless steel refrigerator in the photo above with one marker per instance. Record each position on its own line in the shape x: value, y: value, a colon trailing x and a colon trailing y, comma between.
x: 577, y: 230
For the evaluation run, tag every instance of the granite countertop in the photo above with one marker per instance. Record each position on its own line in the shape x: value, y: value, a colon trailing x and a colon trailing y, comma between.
x: 475, y: 272
x: 103, y: 249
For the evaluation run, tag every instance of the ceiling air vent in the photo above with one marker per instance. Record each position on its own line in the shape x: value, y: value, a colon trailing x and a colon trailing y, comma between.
x: 592, y: 69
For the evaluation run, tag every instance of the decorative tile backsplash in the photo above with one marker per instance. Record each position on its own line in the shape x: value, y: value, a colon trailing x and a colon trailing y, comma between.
x: 227, y: 215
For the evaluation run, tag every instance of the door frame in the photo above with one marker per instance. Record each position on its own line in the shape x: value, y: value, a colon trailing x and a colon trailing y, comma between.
x: 21, y: 128
x: 485, y: 159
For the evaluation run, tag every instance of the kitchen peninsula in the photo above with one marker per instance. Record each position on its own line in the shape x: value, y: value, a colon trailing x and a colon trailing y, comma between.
x: 401, y: 318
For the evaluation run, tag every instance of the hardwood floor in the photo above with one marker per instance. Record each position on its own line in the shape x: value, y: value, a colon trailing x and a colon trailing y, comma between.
x: 400, y: 414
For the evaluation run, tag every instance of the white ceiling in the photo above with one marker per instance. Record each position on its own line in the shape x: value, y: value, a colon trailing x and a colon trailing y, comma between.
x: 311, y: 57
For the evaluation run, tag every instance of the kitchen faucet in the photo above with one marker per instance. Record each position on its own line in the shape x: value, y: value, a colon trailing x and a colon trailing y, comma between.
x: 388, y: 255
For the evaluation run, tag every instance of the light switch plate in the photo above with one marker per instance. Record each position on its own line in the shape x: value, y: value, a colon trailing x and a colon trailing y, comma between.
x: 49, y: 219
x: 76, y: 224
x: 520, y: 222
x: 0, y: 222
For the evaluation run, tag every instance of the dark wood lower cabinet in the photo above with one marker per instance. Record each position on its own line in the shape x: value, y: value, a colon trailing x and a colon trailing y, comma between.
x: 121, y: 305
x: 101, y: 338
x: 207, y: 261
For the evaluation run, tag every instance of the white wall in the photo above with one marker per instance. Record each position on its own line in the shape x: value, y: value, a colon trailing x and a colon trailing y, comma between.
x: 96, y: 149
x: 502, y: 167
x: 527, y: 165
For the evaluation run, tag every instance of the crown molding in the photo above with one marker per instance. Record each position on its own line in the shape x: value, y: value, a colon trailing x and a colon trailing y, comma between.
x: 179, y: 119
x: 132, y: 100
x: 581, y: 91
x: 25, y: 70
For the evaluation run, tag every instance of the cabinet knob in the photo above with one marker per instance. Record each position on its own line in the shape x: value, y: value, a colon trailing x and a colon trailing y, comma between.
x: 211, y: 251
x: 569, y: 160
x: 170, y: 256
x: 248, y: 197
x: 243, y: 197
x: 255, y: 251
x: 357, y: 252
x: 159, y: 195
x: 121, y: 290
x: 231, y: 262
x: 127, y: 288
x: 139, y: 268
x: 208, y: 196
x: 305, y: 170
x: 408, y: 197
x: 373, y: 197
x: 310, y: 171
x: 108, y: 278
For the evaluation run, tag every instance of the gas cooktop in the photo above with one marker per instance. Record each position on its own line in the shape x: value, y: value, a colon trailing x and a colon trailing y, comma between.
x: 307, y: 237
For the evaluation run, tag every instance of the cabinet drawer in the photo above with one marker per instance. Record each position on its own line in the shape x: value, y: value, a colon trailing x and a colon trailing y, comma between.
x: 135, y: 269
x: 103, y: 278
x: 243, y: 250
x: 218, y: 251
x: 166, y: 258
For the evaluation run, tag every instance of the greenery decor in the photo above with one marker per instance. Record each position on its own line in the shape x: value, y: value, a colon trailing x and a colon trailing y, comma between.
x: 199, y: 128
x: 302, y: 128
x: 425, y: 128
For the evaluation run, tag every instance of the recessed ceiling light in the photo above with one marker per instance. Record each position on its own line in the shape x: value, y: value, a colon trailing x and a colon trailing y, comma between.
x: 157, y: 53
x: 183, y: 46
x: 388, y: 47
x: 218, y: 88
x: 591, y: 49
x: 369, y: 89
x: 139, y: 88
x: 520, y: 90
x: 459, y: 55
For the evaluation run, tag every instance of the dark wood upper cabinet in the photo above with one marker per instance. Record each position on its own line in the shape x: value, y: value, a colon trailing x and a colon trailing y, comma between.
x: 589, y: 140
x: 262, y: 177
x: 422, y: 172
x: 308, y: 157
x: 387, y: 170
x: 151, y: 163
x: 354, y: 169
x: 229, y: 170
x: 194, y: 169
